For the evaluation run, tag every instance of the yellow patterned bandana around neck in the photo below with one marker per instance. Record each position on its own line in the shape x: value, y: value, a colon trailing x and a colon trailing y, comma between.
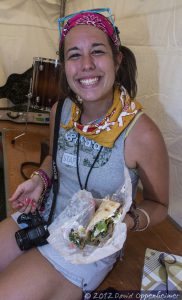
x: 105, y: 133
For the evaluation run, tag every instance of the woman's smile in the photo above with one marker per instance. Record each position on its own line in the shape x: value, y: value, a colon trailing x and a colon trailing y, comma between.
x: 89, y: 82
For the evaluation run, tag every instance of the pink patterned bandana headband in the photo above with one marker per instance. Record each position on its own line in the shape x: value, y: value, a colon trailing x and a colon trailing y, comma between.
x: 90, y: 18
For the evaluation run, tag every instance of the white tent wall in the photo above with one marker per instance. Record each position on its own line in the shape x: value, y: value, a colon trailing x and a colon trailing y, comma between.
x: 151, y: 28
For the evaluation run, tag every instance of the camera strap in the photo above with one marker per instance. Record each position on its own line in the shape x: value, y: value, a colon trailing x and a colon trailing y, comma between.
x: 54, y: 154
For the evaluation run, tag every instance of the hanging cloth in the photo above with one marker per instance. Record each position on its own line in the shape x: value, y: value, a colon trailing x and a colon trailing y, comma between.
x: 105, y: 133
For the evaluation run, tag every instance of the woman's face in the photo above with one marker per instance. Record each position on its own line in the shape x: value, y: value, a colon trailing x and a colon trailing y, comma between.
x: 89, y: 64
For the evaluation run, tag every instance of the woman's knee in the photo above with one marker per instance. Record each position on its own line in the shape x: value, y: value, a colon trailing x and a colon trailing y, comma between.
x: 9, y: 249
x: 33, y: 270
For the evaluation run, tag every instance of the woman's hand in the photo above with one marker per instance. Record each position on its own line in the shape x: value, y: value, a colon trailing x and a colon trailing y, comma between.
x: 27, y: 195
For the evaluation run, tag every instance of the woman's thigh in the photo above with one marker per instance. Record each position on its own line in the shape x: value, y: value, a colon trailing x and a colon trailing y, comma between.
x: 31, y: 276
x: 9, y: 249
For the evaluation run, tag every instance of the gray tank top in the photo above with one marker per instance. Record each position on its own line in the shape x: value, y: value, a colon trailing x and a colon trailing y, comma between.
x: 107, y: 174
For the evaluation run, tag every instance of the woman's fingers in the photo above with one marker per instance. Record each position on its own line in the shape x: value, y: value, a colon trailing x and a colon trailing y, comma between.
x: 26, y: 205
x: 17, y: 205
x: 29, y: 204
x: 17, y: 194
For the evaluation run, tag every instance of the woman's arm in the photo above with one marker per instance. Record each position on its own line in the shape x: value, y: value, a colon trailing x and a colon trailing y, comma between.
x: 46, y: 166
x: 145, y: 150
x: 26, y: 196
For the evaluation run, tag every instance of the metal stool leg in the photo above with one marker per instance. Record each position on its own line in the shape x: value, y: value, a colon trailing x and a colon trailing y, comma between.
x: 26, y: 116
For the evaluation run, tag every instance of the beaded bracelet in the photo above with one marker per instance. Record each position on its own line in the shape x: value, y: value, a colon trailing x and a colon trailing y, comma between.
x: 44, y: 177
x: 46, y: 182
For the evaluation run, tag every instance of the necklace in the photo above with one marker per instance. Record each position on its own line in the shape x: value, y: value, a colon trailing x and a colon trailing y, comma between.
x: 77, y: 165
x: 96, y: 121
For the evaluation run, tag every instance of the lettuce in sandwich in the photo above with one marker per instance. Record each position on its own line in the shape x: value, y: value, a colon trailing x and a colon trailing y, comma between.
x: 101, y: 226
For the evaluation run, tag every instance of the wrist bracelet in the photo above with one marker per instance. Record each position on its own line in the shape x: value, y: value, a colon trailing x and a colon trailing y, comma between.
x: 44, y: 177
x: 147, y: 217
x: 46, y: 182
x: 135, y: 216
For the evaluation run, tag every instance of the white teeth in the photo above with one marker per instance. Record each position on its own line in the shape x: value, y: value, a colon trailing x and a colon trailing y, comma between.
x: 89, y: 81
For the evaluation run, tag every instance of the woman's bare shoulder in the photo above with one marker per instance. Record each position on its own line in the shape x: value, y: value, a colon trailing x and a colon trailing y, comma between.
x: 144, y: 139
x: 145, y: 129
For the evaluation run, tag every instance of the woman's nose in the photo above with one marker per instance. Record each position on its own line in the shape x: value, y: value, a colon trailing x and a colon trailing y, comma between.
x: 88, y: 62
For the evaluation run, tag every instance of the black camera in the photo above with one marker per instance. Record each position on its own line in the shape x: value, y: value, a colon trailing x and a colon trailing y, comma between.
x: 35, y: 234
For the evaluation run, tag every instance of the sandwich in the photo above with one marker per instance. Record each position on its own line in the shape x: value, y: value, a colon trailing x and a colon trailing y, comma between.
x: 101, y: 226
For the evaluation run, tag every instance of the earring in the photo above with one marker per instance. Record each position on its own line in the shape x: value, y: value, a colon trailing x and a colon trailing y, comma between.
x: 79, y: 99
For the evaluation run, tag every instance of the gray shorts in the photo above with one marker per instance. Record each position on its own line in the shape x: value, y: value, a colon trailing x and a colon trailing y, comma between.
x: 86, y: 276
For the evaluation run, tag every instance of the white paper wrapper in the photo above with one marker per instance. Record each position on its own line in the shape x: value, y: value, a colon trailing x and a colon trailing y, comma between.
x: 79, y: 212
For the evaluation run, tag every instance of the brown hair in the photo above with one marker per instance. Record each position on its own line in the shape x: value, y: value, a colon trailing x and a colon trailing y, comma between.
x: 127, y: 72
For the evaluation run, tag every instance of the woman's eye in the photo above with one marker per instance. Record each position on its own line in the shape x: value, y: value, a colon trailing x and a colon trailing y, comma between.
x: 98, y: 52
x: 74, y: 56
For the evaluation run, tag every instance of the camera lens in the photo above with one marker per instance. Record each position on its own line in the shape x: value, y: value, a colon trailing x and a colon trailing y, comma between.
x: 22, y: 239
x: 39, y: 235
x: 32, y: 237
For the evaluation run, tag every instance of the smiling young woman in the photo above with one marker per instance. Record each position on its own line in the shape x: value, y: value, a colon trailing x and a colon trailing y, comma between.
x: 103, y: 130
